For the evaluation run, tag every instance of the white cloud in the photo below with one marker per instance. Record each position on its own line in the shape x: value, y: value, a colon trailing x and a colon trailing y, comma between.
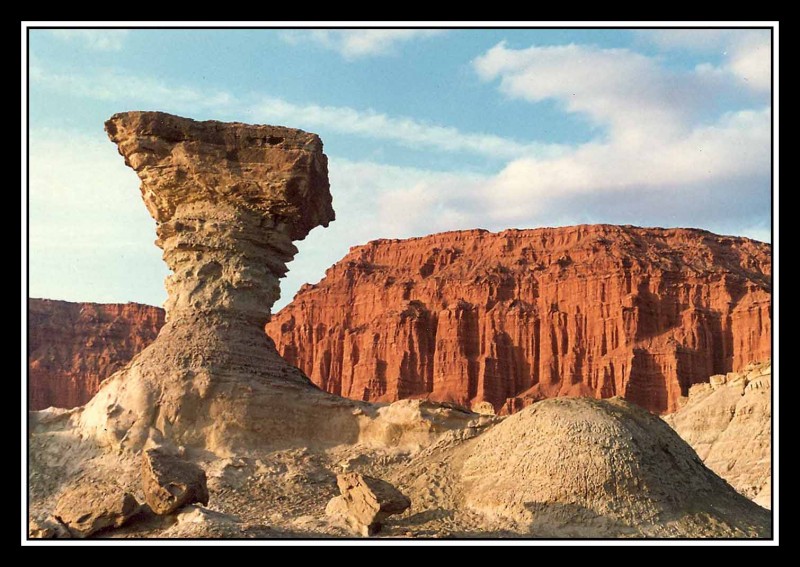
x: 96, y: 40
x: 123, y: 87
x: 654, y: 137
x: 405, y: 131
x: 746, y: 52
x: 618, y: 88
x: 358, y: 43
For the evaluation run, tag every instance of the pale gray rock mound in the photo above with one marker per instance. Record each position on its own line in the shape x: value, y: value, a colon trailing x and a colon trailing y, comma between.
x: 728, y: 421
x: 579, y: 467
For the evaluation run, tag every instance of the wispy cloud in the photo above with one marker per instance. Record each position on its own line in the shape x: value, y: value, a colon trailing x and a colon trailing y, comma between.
x: 111, y: 85
x: 746, y: 52
x: 405, y: 131
x: 120, y: 86
x: 96, y: 40
x: 359, y: 43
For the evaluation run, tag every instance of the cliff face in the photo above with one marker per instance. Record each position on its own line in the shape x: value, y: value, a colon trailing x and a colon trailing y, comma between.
x: 522, y: 315
x: 73, y: 347
x: 728, y: 422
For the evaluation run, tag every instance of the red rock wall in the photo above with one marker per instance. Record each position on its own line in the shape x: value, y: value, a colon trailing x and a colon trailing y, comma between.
x: 522, y: 315
x: 73, y: 347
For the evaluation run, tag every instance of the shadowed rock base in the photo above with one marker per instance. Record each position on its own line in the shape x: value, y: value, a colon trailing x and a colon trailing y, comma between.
x: 729, y: 423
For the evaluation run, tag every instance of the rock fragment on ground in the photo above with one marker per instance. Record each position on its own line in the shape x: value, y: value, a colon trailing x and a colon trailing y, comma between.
x: 365, y: 502
x: 169, y: 482
x: 92, y: 507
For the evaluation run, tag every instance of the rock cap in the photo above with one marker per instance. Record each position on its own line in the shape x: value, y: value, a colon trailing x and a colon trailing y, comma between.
x: 279, y: 172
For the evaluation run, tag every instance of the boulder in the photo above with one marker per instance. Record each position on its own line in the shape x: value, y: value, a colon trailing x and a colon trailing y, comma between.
x: 169, y: 482
x: 366, y: 502
x: 92, y: 507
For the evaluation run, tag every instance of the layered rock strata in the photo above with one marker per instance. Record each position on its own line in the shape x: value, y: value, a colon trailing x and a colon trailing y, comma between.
x: 212, y: 389
x: 228, y: 200
x: 728, y: 421
x: 73, y: 347
x: 521, y: 315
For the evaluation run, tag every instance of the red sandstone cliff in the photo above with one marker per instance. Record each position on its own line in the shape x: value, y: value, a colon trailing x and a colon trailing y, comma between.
x: 522, y: 315
x: 73, y: 347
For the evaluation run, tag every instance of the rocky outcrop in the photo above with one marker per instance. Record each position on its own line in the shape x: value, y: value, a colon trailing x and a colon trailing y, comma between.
x: 73, y: 347
x: 170, y: 483
x: 365, y: 502
x: 522, y: 315
x: 92, y: 507
x: 228, y: 199
x: 729, y: 423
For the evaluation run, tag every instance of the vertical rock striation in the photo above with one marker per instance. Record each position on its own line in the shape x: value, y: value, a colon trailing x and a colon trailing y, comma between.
x: 73, y: 347
x: 522, y: 315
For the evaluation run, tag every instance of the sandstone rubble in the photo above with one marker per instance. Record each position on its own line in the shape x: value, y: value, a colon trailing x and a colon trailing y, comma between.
x: 365, y: 502
x: 169, y: 482
x: 91, y: 507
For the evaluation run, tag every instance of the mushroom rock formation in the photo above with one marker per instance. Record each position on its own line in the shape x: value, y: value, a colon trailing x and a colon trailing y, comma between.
x: 228, y: 200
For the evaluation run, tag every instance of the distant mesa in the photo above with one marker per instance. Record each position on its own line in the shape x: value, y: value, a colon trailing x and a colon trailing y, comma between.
x: 73, y: 347
x: 489, y: 321
x: 517, y: 316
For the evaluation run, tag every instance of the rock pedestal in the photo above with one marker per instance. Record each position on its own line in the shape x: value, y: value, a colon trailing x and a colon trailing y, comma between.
x: 228, y: 200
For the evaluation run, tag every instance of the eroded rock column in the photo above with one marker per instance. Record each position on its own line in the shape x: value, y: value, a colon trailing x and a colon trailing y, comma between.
x: 228, y: 200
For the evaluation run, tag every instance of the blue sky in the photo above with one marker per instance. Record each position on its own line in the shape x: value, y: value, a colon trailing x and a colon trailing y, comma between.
x: 425, y: 130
